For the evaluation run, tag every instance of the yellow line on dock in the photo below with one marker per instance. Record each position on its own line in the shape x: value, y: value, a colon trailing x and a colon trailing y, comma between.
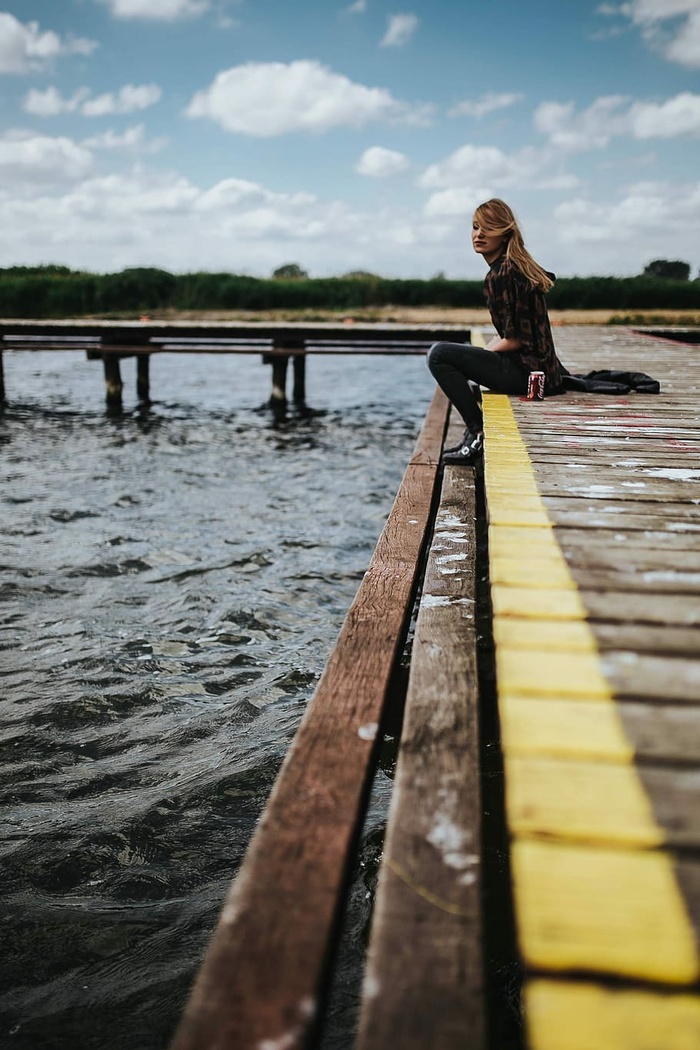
x: 595, y: 891
x: 571, y: 1016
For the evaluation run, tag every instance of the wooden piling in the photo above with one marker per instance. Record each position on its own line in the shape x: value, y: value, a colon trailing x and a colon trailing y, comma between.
x: 299, y: 388
x: 143, y: 388
x: 279, y: 379
x: 113, y: 379
x: 2, y: 380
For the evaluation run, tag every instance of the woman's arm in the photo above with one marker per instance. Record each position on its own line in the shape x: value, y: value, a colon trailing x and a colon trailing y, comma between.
x: 499, y: 345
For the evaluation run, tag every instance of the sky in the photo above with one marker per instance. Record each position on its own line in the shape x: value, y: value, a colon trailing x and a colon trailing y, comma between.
x: 344, y: 135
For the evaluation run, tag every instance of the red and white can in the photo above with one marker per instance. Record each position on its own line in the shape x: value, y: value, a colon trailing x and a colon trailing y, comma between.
x: 535, y: 386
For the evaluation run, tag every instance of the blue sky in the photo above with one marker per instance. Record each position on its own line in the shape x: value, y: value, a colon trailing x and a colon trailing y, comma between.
x: 239, y: 135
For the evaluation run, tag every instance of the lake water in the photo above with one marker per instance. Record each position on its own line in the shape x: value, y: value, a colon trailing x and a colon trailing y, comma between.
x: 172, y: 582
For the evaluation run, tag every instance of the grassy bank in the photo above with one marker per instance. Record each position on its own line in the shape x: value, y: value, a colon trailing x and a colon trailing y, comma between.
x: 431, y: 315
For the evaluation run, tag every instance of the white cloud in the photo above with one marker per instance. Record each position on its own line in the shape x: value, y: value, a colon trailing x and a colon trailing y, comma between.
x: 473, y: 173
x: 670, y: 26
x: 358, y: 7
x: 25, y: 48
x: 27, y: 159
x: 128, y: 99
x: 676, y: 116
x: 399, y: 30
x: 591, y: 129
x: 154, y: 217
x: 132, y: 140
x: 272, y: 98
x: 456, y: 202
x: 158, y: 10
x: 617, y: 115
x: 469, y: 165
x: 488, y: 103
x: 50, y: 102
x: 380, y: 163
x: 647, y: 208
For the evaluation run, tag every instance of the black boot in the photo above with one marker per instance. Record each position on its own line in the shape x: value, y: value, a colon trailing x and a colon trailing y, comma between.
x: 468, y: 450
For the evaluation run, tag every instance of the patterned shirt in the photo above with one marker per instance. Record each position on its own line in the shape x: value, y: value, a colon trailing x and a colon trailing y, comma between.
x: 519, y: 311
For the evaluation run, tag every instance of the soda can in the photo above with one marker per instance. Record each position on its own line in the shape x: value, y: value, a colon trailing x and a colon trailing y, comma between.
x: 535, y: 386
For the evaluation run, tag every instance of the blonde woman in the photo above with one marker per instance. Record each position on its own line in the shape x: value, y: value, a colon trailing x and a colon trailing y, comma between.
x: 515, y: 287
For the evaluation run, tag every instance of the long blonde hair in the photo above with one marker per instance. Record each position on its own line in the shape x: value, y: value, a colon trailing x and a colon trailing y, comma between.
x: 495, y: 216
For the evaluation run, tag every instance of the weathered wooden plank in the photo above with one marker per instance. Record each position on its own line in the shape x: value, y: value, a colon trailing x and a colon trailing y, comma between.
x: 594, y: 890
x: 681, y: 512
x: 424, y: 976
x: 610, y: 487
x: 642, y: 559
x: 568, y: 1015
x: 265, y: 968
x: 633, y: 674
x: 667, y: 639
x: 573, y: 636
x: 615, y: 604
x: 575, y: 800
x: 653, y: 582
x: 662, y: 731
x: 595, y: 729
x: 609, y: 516
x: 603, y: 911
x: 623, y: 537
x: 571, y: 799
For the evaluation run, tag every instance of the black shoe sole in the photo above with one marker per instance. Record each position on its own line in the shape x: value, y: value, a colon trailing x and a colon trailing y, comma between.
x: 468, y: 461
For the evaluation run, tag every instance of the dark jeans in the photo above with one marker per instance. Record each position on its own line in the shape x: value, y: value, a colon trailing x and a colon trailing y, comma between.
x: 455, y: 364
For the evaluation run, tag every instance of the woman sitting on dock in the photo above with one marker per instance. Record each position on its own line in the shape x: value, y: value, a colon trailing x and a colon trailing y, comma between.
x: 514, y: 288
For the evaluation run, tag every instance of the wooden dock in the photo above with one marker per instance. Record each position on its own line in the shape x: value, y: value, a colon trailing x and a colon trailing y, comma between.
x: 593, y: 511
x: 594, y: 541
x: 278, y: 343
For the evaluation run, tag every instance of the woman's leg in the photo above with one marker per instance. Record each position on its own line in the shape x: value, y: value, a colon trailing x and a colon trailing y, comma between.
x: 454, y: 364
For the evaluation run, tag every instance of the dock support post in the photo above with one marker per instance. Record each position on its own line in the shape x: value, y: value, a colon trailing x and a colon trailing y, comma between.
x: 279, y: 379
x: 2, y: 380
x: 143, y: 382
x: 113, y: 380
x: 299, y: 389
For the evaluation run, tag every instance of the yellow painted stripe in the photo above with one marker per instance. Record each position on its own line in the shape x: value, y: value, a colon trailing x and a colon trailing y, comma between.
x: 545, y: 603
x: 566, y: 1015
x: 563, y: 727
x: 579, y: 800
x: 594, y: 891
x: 602, y: 910
x: 503, y: 539
x: 541, y: 672
x: 533, y: 516
x: 523, y: 571
x: 571, y: 636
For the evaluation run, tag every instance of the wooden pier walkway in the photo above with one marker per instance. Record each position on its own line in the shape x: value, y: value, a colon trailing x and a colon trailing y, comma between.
x: 593, y: 510
x: 111, y: 342
x: 594, y: 541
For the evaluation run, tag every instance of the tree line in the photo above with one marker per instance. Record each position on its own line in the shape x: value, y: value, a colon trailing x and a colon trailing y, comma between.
x: 57, y: 291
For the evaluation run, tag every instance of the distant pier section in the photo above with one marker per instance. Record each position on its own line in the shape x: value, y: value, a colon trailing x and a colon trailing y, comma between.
x: 278, y: 343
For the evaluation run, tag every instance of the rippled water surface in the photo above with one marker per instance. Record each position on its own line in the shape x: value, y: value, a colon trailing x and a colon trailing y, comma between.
x: 172, y: 581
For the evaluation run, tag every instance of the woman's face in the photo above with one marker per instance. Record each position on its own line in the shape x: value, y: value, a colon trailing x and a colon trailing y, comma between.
x: 487, y: 243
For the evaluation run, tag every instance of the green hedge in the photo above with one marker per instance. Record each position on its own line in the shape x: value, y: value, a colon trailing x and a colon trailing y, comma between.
x: 56, y: 291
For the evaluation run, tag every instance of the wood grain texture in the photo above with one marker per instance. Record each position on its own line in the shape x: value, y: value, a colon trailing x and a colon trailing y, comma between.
x: 266, y: 966
x: 605, y: 876
x: 423, y: 987
x: 569, y: 1015
x: 617, y: 912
